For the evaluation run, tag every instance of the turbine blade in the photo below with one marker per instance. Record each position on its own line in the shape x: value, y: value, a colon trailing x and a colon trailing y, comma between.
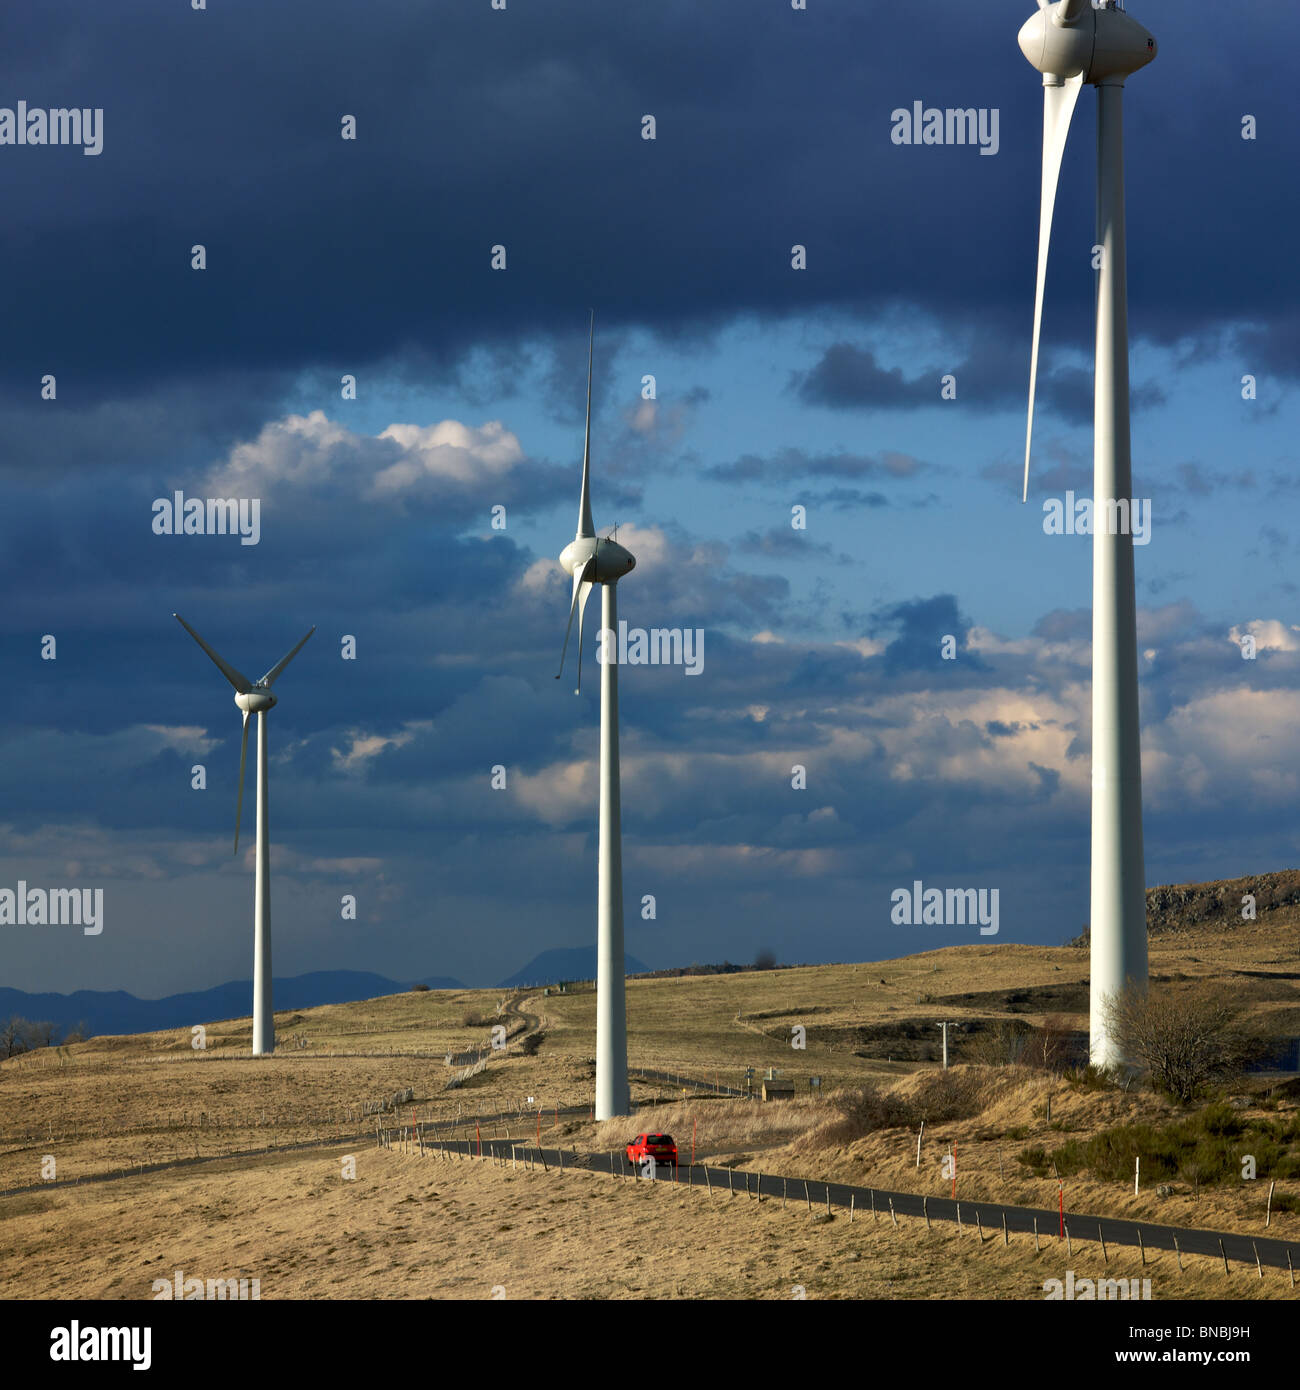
x: 239, y: 796
x: 236, y: 678
x: 585, y: 527
x: 584, y: 592
x: 1058, y: 108
x: 273, y: 674
x: 580, y: 577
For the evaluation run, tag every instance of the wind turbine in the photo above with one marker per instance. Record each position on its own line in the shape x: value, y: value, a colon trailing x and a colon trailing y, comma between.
x: 595, y: 560
x: 1070, y: 42
x: 255, y: 697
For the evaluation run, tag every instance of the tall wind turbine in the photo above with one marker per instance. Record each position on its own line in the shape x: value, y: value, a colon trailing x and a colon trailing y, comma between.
x: 1071, y: 43
x: 255, y: 697
x: 595, y: 560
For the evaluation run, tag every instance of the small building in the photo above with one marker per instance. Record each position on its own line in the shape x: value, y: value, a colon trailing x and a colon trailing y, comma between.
x: 778, y: 1090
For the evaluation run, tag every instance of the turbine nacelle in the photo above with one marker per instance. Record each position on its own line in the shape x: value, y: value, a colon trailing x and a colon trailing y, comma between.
x: 1068, y: 39
x: 255, y: 701
x: 611, y: 560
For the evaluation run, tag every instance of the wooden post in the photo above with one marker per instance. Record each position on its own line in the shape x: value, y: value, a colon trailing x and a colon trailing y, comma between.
x: 806, y: 1197
x: 979, y: 1226
x: 1069, y: 1247
x: 892, y: 1217
x: 873, y: 1202
x: 785, y: 1182
x: 919, y: 1137
x: 731, y: 1184
x: 1224, y: 1253
x: 1268, y: 1214
x: 1142, y: 1250
x: 1258, y: 1266
x: 828, y: 1199
x: 707, y: 1183
x: 925, y: 1211
x: 1104, y: 1256
x: 959, y: 1218
x: 1289, y: 1269
x: 541, y: 1153
x: 852, y: 1202
x: 1179, y: 1253
x: 1137, y: 1169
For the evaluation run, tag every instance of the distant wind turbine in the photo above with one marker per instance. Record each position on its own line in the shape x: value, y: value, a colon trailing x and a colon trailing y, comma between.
x: 255, y: 697
x: 593, y: 560
x: 1071, y: 43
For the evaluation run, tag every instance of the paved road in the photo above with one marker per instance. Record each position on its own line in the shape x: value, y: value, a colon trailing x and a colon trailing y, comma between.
x: 1113, y: 1230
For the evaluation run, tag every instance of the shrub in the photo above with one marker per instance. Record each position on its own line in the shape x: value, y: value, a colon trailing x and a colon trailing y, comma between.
x: 1186, y: 1040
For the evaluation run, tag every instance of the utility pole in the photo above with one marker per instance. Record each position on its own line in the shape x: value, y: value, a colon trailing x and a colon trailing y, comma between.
x: 945, y: 1027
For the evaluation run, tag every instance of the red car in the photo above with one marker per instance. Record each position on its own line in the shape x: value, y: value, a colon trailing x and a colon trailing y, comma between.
x: 660, y: 1147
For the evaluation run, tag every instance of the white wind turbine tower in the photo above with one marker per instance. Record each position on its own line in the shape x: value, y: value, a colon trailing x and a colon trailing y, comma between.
x: 593, y: 560
x: 1070, y: 42
x: 255, y: 697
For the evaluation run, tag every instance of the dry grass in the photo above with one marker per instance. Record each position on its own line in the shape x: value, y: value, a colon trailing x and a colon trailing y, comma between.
x: 428, y: 1228
x: 111, y: 1102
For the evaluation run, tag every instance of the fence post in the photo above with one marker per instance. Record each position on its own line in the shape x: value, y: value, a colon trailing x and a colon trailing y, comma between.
x: 892, y: 1217
x: 925, y: 1211
x: 1224, y: 1253
x: 806, y: 1197
x: 1179, y: 1253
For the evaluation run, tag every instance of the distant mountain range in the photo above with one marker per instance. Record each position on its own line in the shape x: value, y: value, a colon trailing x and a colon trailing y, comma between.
x: 115, y: 1011
x: 100, y: 1012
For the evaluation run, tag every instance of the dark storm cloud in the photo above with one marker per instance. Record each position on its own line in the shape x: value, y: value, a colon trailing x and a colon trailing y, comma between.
x: 848, y: 377
x: 794, y: 465
x: 523, y: 127
x: 921, y: 626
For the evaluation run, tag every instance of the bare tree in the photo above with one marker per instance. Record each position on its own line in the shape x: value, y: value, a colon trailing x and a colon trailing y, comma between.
x: 13, y: 1036
x: 42, y: 1033
x: 1000, y: 1044
x: 1186, y: 1040
x: 1048, y: 1046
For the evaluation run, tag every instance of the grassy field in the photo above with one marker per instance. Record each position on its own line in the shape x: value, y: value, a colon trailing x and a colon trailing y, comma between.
x: 408, y: 1227
x: 112, y: 1103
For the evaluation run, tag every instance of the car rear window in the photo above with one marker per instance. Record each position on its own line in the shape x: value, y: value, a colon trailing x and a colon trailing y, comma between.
x: 660, y: 1139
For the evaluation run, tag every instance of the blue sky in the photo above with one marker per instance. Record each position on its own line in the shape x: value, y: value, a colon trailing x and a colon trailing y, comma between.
x: 775, y: 388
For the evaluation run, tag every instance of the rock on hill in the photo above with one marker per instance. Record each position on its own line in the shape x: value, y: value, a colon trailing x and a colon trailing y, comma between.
x: 1185, y: 906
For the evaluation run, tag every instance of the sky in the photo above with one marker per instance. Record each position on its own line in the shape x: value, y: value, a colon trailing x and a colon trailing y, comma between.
x: 730, y: 388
